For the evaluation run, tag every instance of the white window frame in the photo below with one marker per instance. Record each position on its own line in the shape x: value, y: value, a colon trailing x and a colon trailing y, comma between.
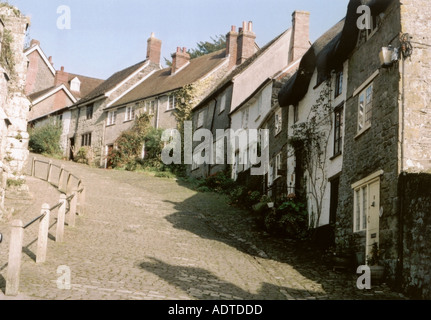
x: 75, y: 85
x: 222, y: 103
x: 130, y: 113
x: 111, y: 118
x: 278, y: 122
x: 364, y: 117
x: 245, y: 117
x: 172, y: 102
x: 277, y: 166
x: 201, y: 118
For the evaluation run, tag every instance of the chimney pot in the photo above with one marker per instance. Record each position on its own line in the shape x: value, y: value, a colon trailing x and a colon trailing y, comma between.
x: 250, y: 26
x: 233, y: 29
x: 244, y: 26
x: 62, y: 68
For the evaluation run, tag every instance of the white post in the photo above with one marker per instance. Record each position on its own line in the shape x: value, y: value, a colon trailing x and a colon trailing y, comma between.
x: 73, y: 204
x: 42, y: 242
x: 60, y: 219
x: 14, y: 263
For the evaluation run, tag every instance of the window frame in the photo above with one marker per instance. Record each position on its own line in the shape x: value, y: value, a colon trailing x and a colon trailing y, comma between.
x: 86, y: 139
x: 111, y: 118
x: 278, y: 122
x: 338, y: 128
x: 130, y: 113
x: 339, y: 79
x: 89, y: 111
x: 172, y: 105
x: 201, y: 119
x: 367, y: 108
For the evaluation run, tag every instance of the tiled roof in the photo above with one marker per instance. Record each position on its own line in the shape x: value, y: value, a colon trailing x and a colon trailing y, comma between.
x: 87, y: 85
x: 163, y: 81
x: 37, y: 95
x: 112, y: 82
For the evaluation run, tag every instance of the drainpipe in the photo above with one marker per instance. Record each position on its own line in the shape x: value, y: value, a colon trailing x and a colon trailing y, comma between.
x: 157, y: 112
x: 212, y: 128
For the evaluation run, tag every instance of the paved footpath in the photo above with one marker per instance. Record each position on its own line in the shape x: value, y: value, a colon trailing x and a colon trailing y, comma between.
x: 147, y: 238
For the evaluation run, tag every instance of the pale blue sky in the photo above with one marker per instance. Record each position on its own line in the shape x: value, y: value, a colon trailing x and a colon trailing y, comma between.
x: 109, y: 35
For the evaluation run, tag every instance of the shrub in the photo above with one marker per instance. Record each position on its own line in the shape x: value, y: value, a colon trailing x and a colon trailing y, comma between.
x: 84, y: 155
x: 289, y: 219
x: 46, y: 139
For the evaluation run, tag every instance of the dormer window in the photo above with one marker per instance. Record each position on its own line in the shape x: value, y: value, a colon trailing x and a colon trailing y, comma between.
x: 75, y: 85
x: 366, y: 34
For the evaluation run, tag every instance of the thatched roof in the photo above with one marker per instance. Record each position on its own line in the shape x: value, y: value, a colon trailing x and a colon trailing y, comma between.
x: 328, y: 51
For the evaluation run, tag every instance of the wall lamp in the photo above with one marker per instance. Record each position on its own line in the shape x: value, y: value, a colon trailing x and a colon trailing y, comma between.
x: 389, y: 55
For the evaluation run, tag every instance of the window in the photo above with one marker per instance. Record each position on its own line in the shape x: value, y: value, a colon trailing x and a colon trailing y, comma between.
x: 130, y: 113
x: 366, y: 34
x: 86, y: 140
x: 277, y: 166
x: 338, y: 130
x: 361, y: 209
x: 90, y: 112
x: 244, y: 118
x: 75, y: 85
x: 365, y: 108
x: 172, y: 102
x: 295, y: 114
x: 150, y: 106
x: 223, y: 103
x: 112, y: 117
x: 201, y: 119
x: 278, y: 122
x: 338, y: 83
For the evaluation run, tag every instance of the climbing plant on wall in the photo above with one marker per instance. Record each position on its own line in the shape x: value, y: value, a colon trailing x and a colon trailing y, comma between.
x: 311, y: 139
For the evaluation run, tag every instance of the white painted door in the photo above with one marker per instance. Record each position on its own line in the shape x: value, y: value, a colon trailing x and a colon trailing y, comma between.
x: 373, y: 218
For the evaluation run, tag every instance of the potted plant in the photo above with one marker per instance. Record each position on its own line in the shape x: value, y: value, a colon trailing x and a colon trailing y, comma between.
x: 373, y: 261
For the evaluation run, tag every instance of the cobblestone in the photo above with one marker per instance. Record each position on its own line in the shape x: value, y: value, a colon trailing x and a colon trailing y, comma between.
x: 146, y: 238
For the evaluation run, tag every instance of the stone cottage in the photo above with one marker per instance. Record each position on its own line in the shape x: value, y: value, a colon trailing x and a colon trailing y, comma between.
x: 51, y: 92
x: 88, y: 120
x: 158, y: 94
x: 380, y: 132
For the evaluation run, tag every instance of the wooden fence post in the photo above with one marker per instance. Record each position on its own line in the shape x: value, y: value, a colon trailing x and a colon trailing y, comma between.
x: 69, y: 178
x: 60, y: 179
x: 33, y: 167
x: 81, y: 198
x: 60, y: 219
x: 49, y: 170
x: 73, y: 204
x: 14, y: 263
x: 42, y: 242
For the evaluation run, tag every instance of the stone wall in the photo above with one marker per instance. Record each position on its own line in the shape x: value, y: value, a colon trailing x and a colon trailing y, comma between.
x: 416, y: 125
x: 14, y: 154
x: 415, y: 195
x: 376, y: 148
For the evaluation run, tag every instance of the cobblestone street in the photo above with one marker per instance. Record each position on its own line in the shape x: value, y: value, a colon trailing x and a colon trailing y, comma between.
x: 148, y: 238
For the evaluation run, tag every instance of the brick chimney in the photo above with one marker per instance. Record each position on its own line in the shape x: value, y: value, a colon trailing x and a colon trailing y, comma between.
x: 246, y: 42
x: 61, y: 77
x: 154, y: 49
x: 34, y: 42
x: 300, y: 34
x: 232, y: 46
x: 179, y: 59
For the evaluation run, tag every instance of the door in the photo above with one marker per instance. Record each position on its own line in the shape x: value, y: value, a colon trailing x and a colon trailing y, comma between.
x: 72, y: 147
x: 373, y: 218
